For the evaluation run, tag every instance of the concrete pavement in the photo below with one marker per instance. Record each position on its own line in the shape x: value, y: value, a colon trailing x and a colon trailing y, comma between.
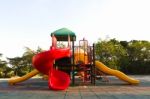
x: 37, y: 88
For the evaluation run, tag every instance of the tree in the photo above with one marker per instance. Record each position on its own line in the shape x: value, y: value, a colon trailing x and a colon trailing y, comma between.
x: 139, y: 57
x: 27, y: 58
x: 61, y: 45
x: 23, y: 65
x: 124, y: 44
x: 110, y: 52
x: 16, y: 64
x: 4, y: 69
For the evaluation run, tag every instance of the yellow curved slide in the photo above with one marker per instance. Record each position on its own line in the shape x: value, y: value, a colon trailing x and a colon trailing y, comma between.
x: 116, y: 73
x: 23, y: 78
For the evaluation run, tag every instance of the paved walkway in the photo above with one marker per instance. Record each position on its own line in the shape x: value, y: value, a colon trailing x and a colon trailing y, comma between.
x: 37, y: 89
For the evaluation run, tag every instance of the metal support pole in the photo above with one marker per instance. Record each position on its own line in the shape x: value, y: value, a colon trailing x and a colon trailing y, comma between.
x: 91, y: 66
x: 94, y: 72
x: 73, y: 65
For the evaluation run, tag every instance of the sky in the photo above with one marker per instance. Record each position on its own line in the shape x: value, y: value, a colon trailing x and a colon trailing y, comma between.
x: 29, y: 23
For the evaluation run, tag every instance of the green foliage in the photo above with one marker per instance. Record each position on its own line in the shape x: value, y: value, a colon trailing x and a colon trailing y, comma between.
x: 4, y: 69
x: 23, y: 65
x: 130, y: 57
x: 61, y: 45
x: 139, y: 57
x: 110, y: 52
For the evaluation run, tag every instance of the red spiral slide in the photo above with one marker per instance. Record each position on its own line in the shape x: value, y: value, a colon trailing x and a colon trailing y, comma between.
x: 43, y: 62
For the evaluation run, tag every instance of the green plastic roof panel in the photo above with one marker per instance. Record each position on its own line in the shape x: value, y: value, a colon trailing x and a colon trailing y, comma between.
x: 62, y: 34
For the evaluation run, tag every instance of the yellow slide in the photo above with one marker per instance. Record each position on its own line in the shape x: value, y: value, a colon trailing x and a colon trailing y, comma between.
x: 116, y: 73
x: 23, y: 78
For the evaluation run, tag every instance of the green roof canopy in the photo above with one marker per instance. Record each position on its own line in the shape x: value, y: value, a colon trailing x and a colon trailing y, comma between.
x: 62, y: 34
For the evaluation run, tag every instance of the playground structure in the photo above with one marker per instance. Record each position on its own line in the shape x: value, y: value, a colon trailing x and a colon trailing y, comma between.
x: 64, y: 65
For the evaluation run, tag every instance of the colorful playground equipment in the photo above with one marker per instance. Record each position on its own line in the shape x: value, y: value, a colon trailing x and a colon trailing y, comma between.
x: 62, y: 65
